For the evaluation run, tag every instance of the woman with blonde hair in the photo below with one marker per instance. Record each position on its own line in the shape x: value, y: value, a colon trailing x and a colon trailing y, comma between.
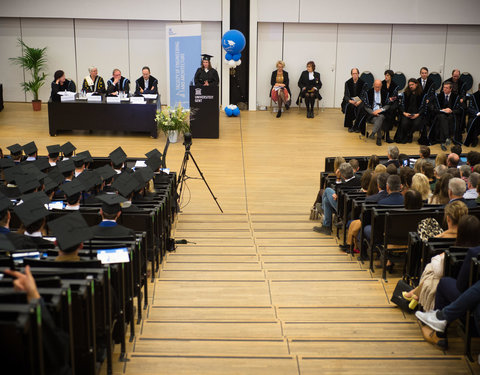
x: 441, y: 159
x: 421, y: 184
x: 380, y: 168
x: 280, y: 91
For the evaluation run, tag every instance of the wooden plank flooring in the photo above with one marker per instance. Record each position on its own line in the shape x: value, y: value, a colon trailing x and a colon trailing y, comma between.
x: 255, y: 291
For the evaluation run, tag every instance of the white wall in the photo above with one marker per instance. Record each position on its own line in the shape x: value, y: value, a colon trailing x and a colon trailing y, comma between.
x: 370, y: 47
x: 75, y: 44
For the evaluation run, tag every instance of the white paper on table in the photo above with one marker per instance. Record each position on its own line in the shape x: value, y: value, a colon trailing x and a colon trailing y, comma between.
x: 113, y: 99
x: 67, y: 98
x: 150, y: 96
x: 94, y: 98
x: 89, y: 94
x: 140, y: 164
x: 56, y: 205
x: 66, y: 93
x: 125, y: 99
x: 137, y: 100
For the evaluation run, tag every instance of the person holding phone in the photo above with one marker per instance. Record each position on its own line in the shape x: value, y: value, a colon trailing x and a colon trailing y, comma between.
x: 411, y: 108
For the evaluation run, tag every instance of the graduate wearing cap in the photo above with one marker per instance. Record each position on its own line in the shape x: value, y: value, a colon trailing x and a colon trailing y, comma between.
x: 92, y: 183
x: 117, y: 160
x: 53, y: 154
x: 111, y: 210
x: 32, y: 213
x: 80, y: 164
x: 67, y: 150
x: 206, y: 75
x: 71, y: 231
x: 18, y: 240
x: 107, y: 173
x: 31, y: 151
x: 126, y: 185
x: 16, y: 152
x: 73, y: 192
x: 143, y: 177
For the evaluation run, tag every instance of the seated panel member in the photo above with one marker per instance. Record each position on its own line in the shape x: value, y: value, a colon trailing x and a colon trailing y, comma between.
x: 117, y: 83
x: 411, y: 109
x: 310, y: 85
x: 355, y: 88
x: 206, y: 75
x: 93, y: 82
x: 474, y: 120
x: 280, y: 91
x: 376, y: 104
x: 110, y: 212
x: 392, y: 88
x: 146, y: 84
x: 445, y: 106
x: 458, y: 86
x: 425, y: 81
x: 60, y: 83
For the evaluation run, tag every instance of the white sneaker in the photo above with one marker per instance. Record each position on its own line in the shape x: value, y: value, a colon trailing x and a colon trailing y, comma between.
x: 431, y: 320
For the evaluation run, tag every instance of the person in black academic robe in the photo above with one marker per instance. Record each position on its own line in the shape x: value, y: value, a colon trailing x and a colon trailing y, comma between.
x: 206, y: 75
x: 60, y: 83
x: 146, y: 84
x: 354, y: 88
x: 445, y: 106
x: 93, y: 82
x: 117, y: 83
x: 392, y: 88
x: 310, y: 85
x: 411, y: 112
x: 474, y: 120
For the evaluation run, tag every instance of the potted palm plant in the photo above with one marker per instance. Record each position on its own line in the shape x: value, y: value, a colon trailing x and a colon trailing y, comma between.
x: 173, y: 121
x: 34, y: 61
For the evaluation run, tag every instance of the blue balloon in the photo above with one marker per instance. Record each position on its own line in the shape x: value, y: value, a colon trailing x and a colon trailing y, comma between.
x: 228, y: 112
x: 233, y: 42
x: 228, y: 56
x: 236, y: 112
x: 237, y: 57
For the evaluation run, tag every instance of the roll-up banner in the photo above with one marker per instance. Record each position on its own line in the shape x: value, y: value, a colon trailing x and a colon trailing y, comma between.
x: 184, y: 46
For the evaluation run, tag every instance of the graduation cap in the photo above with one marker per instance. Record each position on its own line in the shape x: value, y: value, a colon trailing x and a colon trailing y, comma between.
x: 154, y: 162
x: 154, y: 152
x: 5, y: 243
x: 72, y: 188
x: 70, y: 230
x: 50, y: 184
x: 86, y: 155
x: 125, y: 183
x: 106, y: 172
x: 66, y: 166
x: 15, y: 149
x: 32, y: 170
x: 89, y: 179
x: 54, y: 150
x: 42, y: 164
x: 67, y: 148
x: 111, y: 203
x: 118, y: 156
x: 56, y: 175
x: 38, y: 196
x: 30, y: 211
x: 30, y: 148
x: 143, y: 175
x: 26, y: 182
x: 6, y: 163
x: 5, y: 203
x: 78, y: 160
x: 11, y: 174
x: 206, y: 56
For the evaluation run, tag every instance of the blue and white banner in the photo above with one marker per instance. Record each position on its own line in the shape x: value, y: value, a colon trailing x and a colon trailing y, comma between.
x: 184, y: 47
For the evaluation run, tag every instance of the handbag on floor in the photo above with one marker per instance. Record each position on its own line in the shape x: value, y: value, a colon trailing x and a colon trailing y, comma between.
x: 397, y: 297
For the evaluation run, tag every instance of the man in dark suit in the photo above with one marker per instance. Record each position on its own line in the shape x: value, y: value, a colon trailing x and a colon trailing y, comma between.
x: 382, y: 189
x: 425, y: 81
x: 146, y: 84
x: 110, y: 212
x: 354, y: 91
x: 394, y: 188
x: 445, y: 107
x: 456, y: 189
x: 376, y: 103
x: 329, y: 198
x: 392, y: 154
x: 474, y: 120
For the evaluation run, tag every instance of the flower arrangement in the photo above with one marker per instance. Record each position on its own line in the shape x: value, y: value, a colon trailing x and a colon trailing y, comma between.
x: 177, y: 119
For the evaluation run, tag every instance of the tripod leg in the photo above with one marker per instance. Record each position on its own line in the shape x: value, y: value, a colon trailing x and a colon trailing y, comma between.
x: 181, y: 178
x: 203, y: 178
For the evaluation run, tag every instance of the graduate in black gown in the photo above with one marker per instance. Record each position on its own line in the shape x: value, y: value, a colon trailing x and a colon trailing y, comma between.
x: 206, y: 75
x: 60, y: 83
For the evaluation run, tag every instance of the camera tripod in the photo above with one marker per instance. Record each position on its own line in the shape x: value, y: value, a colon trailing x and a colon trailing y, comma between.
x: 182, y: 177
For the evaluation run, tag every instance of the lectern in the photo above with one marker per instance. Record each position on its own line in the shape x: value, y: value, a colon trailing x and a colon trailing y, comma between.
x: 204, y: 106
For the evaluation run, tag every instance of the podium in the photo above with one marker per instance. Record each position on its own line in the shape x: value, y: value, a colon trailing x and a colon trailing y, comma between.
x: 204, y: 115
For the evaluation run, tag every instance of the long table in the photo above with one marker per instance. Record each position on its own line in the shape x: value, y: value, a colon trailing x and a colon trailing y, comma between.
x: 83, y: 115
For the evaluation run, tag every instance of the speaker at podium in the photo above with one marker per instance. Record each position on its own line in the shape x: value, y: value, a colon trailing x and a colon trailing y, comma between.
x: 204, y: 115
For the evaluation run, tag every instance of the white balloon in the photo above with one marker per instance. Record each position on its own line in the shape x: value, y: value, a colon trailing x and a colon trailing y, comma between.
x: 238, y: 62
x: 232, y: 64
x: 226, y: 61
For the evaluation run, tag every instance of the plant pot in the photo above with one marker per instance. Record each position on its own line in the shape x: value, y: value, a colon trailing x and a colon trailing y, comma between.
x: 37, y: 105
x: 173, y: 136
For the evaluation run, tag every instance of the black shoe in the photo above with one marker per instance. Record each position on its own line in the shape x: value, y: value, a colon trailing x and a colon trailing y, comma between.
x: 287, y: 106
x: 312, y: 115
x: 357, y: 130
x: 339, y: 224
x: 379, y: 141
x: 308, y: 113
x: 443, y: 147
x: 345, y: 248
x: 389, y: 140
x: 371, y: 136
x: 323, y: 230
x: 351, y: 130
x: 279, y: 113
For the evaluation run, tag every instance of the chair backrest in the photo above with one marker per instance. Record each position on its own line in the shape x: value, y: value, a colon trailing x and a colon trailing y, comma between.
x: 94, y: 263
x: 437, y: 80
x: 467, y: 80
x: 367, y: 77
x: 400, y: 79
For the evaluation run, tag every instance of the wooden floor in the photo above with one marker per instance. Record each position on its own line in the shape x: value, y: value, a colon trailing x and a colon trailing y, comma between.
x: 256, y: 291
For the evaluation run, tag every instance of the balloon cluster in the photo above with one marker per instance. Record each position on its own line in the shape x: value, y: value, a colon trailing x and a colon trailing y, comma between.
x: 232, y: 110
x: 233, y: 42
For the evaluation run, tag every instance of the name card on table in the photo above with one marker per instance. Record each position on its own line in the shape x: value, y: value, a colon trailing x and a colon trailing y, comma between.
x: 67, y: 98
x: 150, y: 96
x: 113, y: 99
x: 94, y: 98
x: 137, y: 100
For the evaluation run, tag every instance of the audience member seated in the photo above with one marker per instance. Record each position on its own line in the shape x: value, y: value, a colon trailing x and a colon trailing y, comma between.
x: 336, y: 165
x: 310, y: 85
x: 59, y: 84
x: 32, y: 214
x: 110, y: 212
x: 93, y: 82
x: 452, y: 160
x: 425, y: 81
x: 421, y: 184
x: 392, y: 89
x: 473, y: 127
x: 456, y: 190
x: 473, y: 159
x: 146, y: 84
x: 411, y: 109
x: 353, y: 93
x: 392, y: 154
x: 376, y: 103
x: 424, y: 153
x: 280, y: 90
x: 329, y: 199
x: 373, y: 162
x: 424, y: 293
x: 18, y: 240
x: 406, y: 177
x: 457, y: 83
x: 472, y: 184
x: 117, y: 84
x: 441, y: 159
